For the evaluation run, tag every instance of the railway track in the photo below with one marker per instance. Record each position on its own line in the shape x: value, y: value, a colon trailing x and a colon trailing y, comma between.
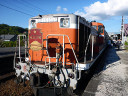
x: 8, y: 86
x: 7, y: 76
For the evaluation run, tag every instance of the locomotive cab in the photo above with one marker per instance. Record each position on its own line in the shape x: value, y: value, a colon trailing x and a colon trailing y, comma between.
x: 99, y: 27
x: 100, y: 38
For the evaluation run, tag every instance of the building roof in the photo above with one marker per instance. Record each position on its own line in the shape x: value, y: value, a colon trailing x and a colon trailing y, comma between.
x: 6, y: 37
x: 126, y: 29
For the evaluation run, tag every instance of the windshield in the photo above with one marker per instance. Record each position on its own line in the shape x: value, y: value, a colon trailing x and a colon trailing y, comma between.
x: 94, y: 27
x: 100, y: 29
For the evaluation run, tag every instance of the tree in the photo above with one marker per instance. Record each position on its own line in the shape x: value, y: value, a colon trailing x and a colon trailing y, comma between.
x: 6, y: 29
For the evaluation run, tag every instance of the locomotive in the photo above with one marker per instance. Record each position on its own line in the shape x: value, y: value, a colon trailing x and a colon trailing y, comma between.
x: 59, y: 47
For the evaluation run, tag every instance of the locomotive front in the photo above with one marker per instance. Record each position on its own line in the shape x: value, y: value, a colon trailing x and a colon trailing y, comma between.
x: 52, y: 52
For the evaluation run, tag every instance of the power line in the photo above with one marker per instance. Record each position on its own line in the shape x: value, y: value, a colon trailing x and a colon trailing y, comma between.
x: 16, y: 10
x: 24, y: 4
x: 30, y: 5
x: 39, y: 9
x: 17, y: 6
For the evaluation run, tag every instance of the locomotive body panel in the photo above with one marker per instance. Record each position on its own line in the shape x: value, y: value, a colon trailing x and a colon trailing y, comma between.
x: 54, y: 28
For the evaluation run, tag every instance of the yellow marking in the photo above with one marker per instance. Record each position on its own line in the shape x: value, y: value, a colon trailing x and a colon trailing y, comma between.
x: 34, y: 31
x: 35, y: 46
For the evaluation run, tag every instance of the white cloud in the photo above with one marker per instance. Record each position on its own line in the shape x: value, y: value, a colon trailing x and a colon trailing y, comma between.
x: 65, y: 9
x: 103, y: 11
x: 58, y: 8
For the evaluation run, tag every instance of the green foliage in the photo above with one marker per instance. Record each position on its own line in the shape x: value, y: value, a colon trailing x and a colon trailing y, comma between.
x: 6, y: 29
x: 126, y: 48
x: 10, y: 43
x: 126, y: 45
x: 2, y: 44
x: 15, y: 30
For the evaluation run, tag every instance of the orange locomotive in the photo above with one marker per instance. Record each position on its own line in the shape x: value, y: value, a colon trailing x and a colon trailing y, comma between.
x: 60, y: 46
x: 100, y: 38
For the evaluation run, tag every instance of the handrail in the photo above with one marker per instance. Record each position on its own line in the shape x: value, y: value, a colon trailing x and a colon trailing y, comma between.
x: 29, y: 60
x: 49, y: 61
x: 14, y: 62
x: 15, y: 56
x: 63, y: 45
x: 19, y: 44
x: 77, y: 64
x: 87, y: 45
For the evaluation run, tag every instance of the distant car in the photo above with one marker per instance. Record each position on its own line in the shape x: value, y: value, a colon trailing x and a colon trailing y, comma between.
x: 118, y: 44
x: 109, y: 42
x: 114, y: 43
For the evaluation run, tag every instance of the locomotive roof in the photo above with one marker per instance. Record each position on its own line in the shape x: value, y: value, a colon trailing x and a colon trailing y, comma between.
x: 96, y: 23
x: 74, y: 19
x: 55, y: 15
x: 73, y: 16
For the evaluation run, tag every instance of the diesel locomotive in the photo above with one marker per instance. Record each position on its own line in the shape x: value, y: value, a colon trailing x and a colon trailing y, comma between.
x: 57, y: 49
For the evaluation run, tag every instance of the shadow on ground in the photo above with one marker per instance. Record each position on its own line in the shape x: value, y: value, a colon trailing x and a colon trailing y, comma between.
x: 105, y: 61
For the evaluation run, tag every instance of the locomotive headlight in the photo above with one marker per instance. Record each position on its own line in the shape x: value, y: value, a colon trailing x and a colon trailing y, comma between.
x: 65, y: 22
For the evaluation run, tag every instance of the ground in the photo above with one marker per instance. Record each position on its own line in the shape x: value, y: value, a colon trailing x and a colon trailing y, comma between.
x: 112, y: 79
x: 10, y: 88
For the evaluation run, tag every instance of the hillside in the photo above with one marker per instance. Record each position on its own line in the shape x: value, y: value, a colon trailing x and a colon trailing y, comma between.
x: 6, y: 29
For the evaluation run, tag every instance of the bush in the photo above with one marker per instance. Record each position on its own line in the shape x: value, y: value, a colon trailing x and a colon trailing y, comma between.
x: 8, y: 44
x: 126, y: 45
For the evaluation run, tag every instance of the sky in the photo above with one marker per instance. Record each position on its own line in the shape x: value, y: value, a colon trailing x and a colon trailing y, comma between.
x: 108, y: 12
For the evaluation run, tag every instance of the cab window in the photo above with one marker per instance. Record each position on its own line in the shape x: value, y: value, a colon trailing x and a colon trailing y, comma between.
x: 100, y: 29
x: 94, y: 27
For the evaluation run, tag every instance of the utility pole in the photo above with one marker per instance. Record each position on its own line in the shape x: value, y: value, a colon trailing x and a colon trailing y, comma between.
x: 122, y: 31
